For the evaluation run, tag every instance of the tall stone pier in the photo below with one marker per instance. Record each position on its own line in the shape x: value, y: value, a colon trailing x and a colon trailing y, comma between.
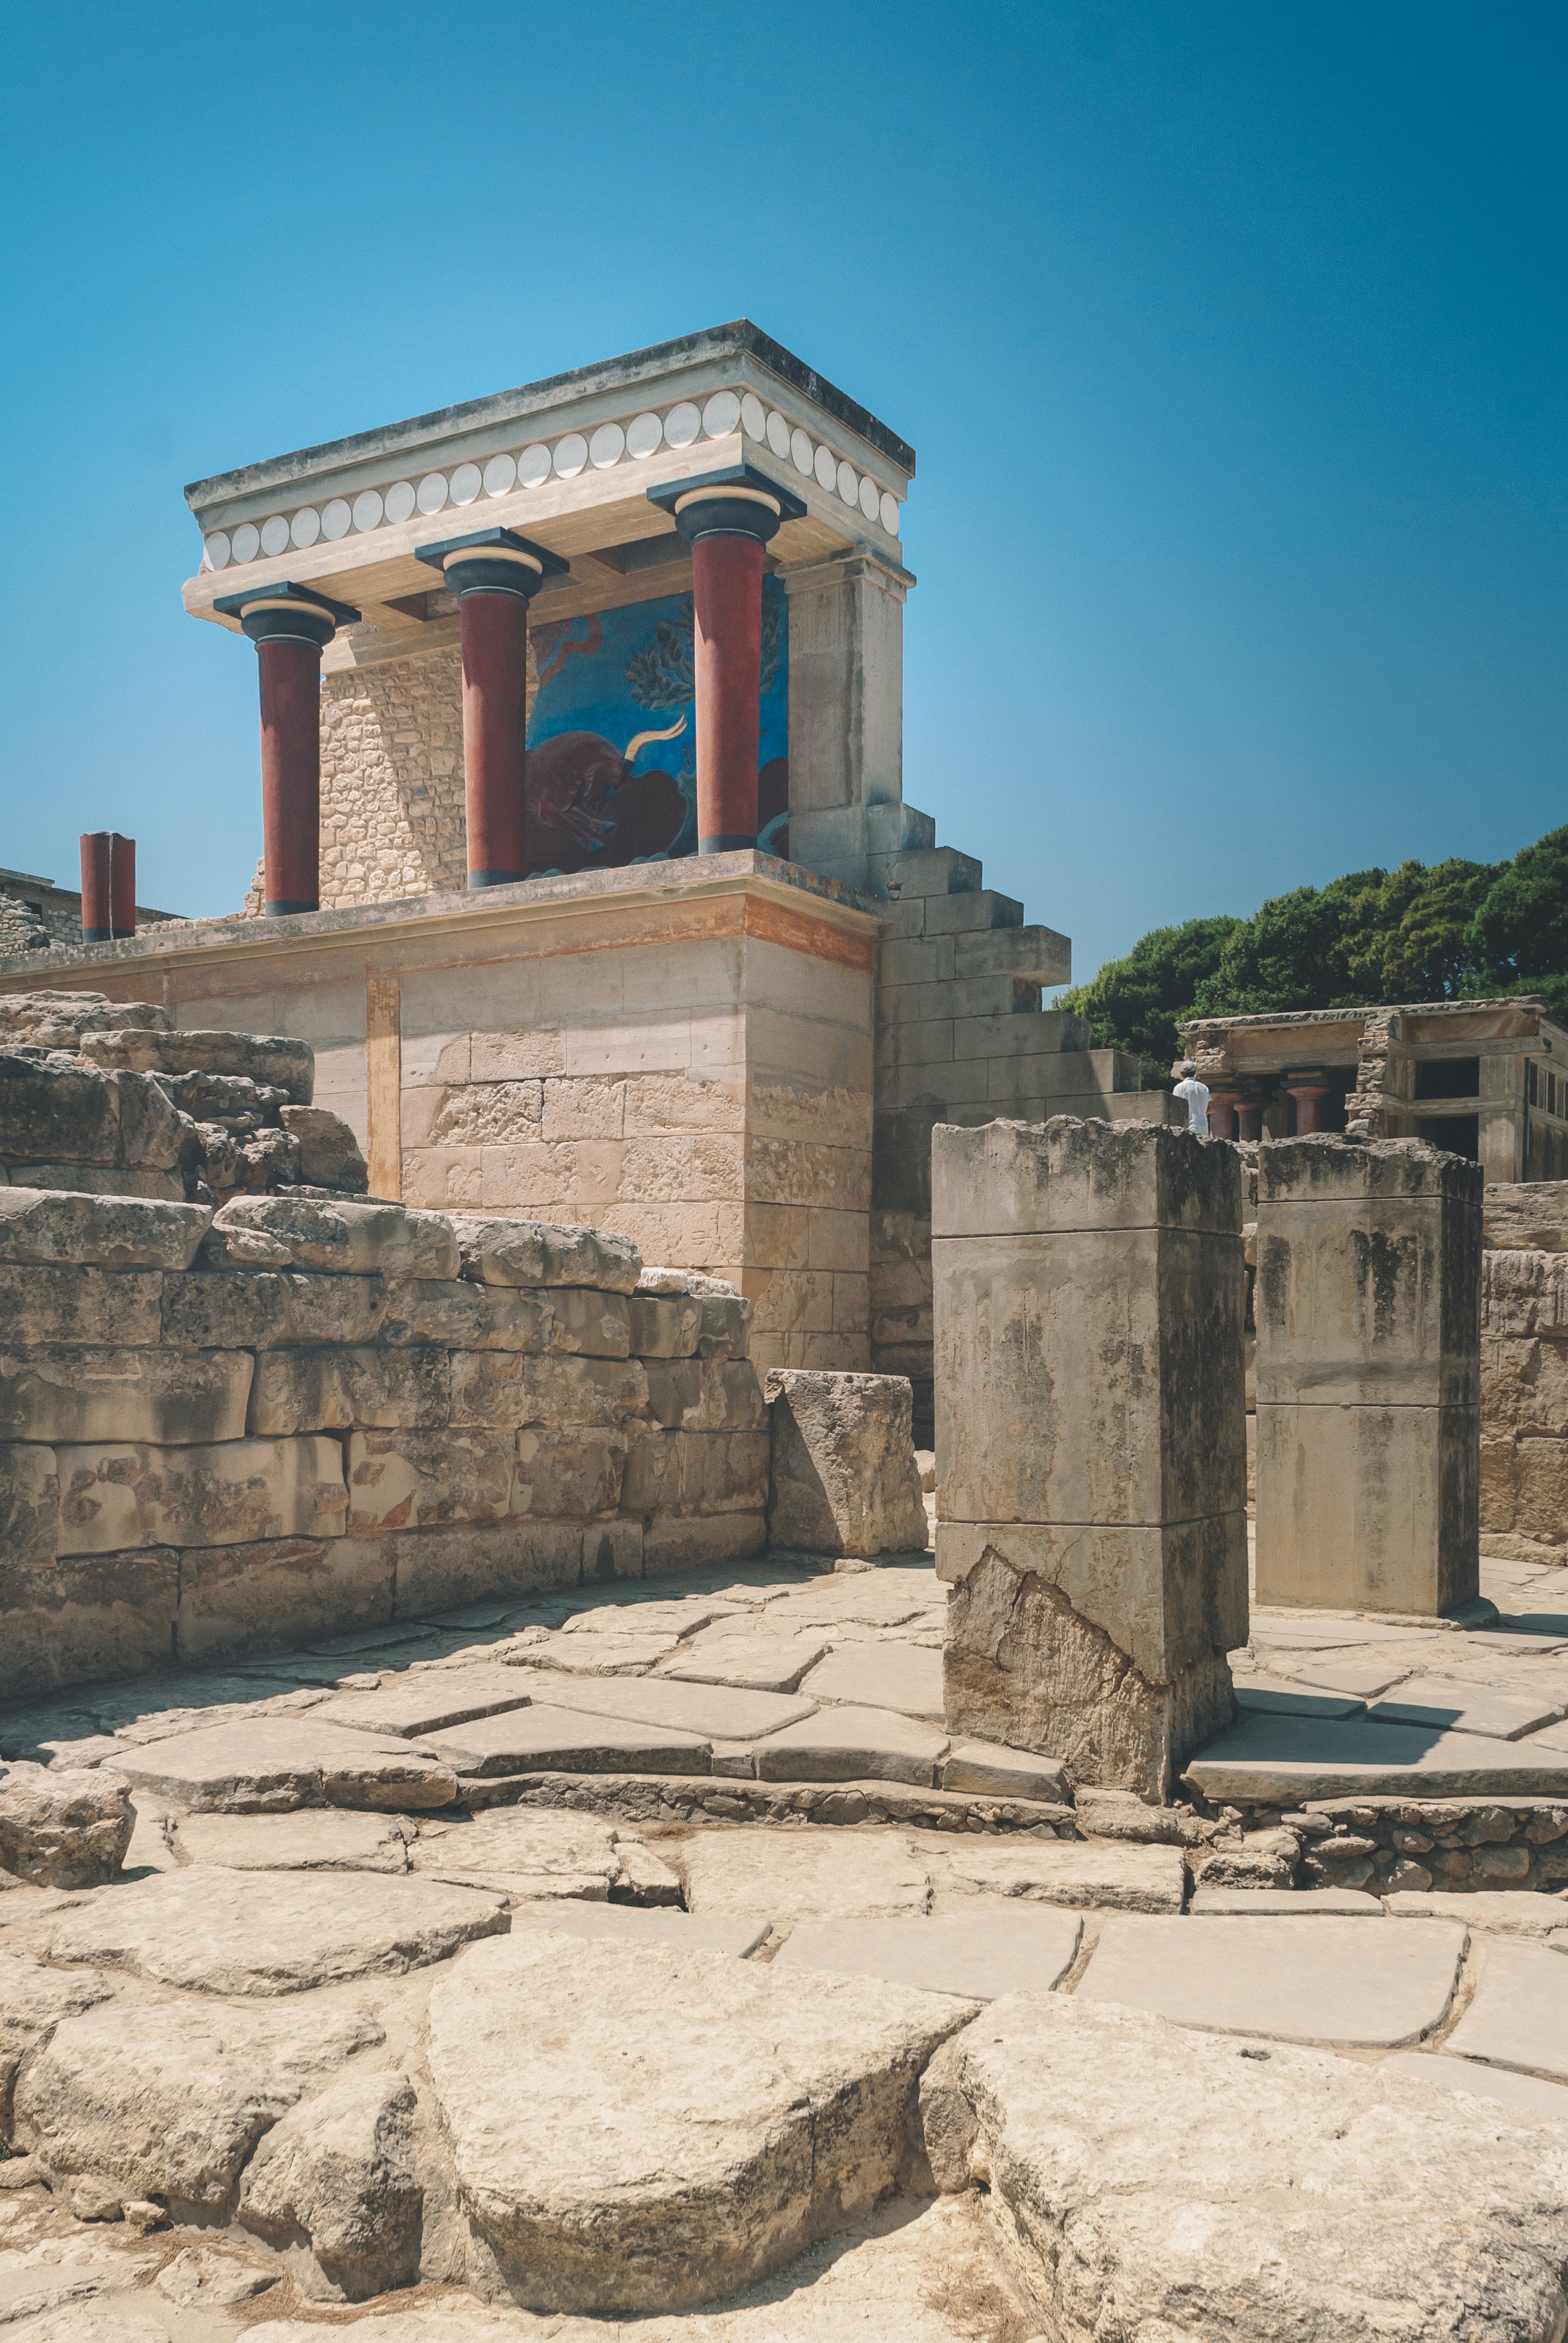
x: 1367, y: 1309
x: 1091, y: 1439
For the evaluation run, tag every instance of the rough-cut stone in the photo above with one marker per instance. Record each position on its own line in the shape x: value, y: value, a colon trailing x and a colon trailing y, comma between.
x: 273, y: 1765
x: 58, y: 1304
x: 64, y: 1829
x: 33, y: 2001
x: 853, y: 1744
x: 311, y: 1839
x: 1476, y: 2082
x: 338, y: 1389
x: 430, y: 1700
x: 596, y: 2189
x: 638, y: 1924
x: 1295, y: 1902
x: 750, y: 1662
x: 714, y: 1712
x: 904, y: 1676
x: 1044, y: 1871
x: 1499, y: 1912
x: 1286, y: 1760
x: 172, y: 1398
x: 101, y: 1231
x: 568, y: 1854
x: 29, y: 1506
x: 664, y: 1326
x: 1326, y: 1981
x: 422, y: 1479
x: 544, y: 1253
x: 209, y: 2278
x: 843, y: 1465
x: 588, y: 1324
x: 169, y: 2099
x: 1259, y: 2194
x: 387, y: 1239
x: 329, y: 1154
x: 227, y: 1493
x: 990, y: 1769
x: 275, y: 1059
x: 51, y: 1020
x: 543, y: 1738
x: 1089, y: 1287
x: 808, y: 1874
x: 1519, y: 2015
x: 340, y: 2168
x: 1022, y: 1951
x: 274, y: 1931
x: 56, y: 1113
x: 1525, y: 1216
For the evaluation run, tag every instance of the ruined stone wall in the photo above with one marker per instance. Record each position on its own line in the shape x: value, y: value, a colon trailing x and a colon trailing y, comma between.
x: 1524, y: 1369
x: 228, y: 1434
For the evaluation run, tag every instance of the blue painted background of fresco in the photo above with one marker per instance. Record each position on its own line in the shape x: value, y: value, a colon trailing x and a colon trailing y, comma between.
x: 607, y: 678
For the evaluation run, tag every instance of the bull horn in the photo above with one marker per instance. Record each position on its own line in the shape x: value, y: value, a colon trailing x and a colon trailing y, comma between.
x: 643, y: 739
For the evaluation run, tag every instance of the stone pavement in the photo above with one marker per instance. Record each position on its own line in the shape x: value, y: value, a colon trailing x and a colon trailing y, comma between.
x: 391, y: 2020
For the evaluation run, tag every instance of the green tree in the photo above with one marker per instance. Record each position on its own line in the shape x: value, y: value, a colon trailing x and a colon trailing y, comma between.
x: 1519, y: 934
x: 1134, y: 1003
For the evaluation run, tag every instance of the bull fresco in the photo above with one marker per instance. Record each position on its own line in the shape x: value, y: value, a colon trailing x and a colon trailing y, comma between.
x: 612, y: 753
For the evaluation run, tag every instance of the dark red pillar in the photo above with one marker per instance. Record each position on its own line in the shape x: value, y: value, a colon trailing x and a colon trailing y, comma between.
x: 726, y: 517
x: 1251, y: 1113
x: 290, y: 626
x: 108, y: 885
x: 495, y: 574
x: 1309, y: 1090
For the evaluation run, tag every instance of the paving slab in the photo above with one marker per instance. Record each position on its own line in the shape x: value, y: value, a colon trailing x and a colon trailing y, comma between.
x: 853, y: 1744
x: 1477, y: 2082
x: 750, y: 1662
x: 1330, y: 1981
x: 1310, y: 1630
x: 1460, y: 1707
x: 1499, y: 1912
x: 594, y: 2187
x: 637, y: 1924
x: 880, y: 1674
x: 563, y: 1854
x: 1024, y: 1950
x: 1259, y: 2193
x: 272, y: 1932
x: 549, y: 1739
x: 811, y: 1874
x: 428, y: 1700
x: 270, y: 1764
x: 1087, y: 1874
x: 1279, y: 1696
x: 313, y: 1838
x: 989, y: 1768
x: 1519, y: 2015
x: 598, y: 1655
x: 712, y: 1711
x: 1285, y: 1760
x: 1250, y: 1903
x: 1364, y: 1679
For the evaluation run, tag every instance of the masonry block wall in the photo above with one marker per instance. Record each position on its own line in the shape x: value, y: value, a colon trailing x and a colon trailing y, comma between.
x: 1524, y: 1372
x: 225, y: 1434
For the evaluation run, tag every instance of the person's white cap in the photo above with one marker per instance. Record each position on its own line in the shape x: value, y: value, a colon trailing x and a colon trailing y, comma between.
x: 1188, y: 1067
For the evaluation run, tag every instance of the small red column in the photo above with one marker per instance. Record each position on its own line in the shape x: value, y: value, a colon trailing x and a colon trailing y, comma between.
x: 1309, y: 1090
x: 1250, y: 1112
x: 1223, y: 1105
x: 290, y: 626
x: 108, y: 885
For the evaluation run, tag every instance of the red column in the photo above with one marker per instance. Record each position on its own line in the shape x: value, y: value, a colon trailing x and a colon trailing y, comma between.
x: 727, y: 592
x: 290, y: 673
x: 108, y: 885
x: 1222, y: 1104
x: 1309, y: 1096
x: 1251, y: 1113
x: 494, y: 729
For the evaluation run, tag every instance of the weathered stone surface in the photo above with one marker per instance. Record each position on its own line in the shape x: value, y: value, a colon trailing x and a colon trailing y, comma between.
x: 586, y: 1322
x: 1022, y: 1951
x: 1518, y: 2016
x: 1460, y: 1707
x: 64, y: 1829
x: 51, y: 1020
x: 843, y: 1463
x: 1272, y: 1697
x: 169, y: 2100
x: 213, y: 2277
x: 700, y: 1541
x: 1327, y: 1981
x: 274, y: 1931
x: 1525, y: 1216
x: 417, y: 1479
x: 881, y: 1676
x: 601, y: 1655
x: 664, y: 1326
x: 638, y: 1924
x: 755, y: 1662
x: 56, y: 1113
x: 697, y: 1472
x: 705, y: 1395
x: 275, y: 1059
x: 311, y: 1839
x: 228, y: 1494
x: 504, y: 1388
x: 853, y: 1744
x: 173, y: 1398
x: 467, y: 1316
x: 263, y: 1598
x: 1527, y: 2092
x: 806, y: 1874
x: 72, y: 1621
x: 33, y: 2001
x: 339, y: 1389
x: 329, y: 1154
x: 546, y: 1738
x: 573, y: 1474
x: 1499, y: 1912
x: 430, y: 1700
x: 597, y: 2190
x: 544, y: 1253
x: 101, y: 1231
x: 1295, y: 1902
x: 1256, y: 2194
x: 1088, y: 1875
x: 1285, y: 1760
x: 272, y: 1765
x: 61, y: 1304
x: 29, y: 1506
x: 712, y: 1711
x: 564, y: 1854
x: 386, y: 1239
x: 340, y: 2168
x: 988, y: 1766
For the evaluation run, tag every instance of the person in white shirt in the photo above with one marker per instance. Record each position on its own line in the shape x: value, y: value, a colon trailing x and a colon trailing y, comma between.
x: 1196, y: 1094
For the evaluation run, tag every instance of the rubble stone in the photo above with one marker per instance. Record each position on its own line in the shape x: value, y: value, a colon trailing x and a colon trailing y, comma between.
x: 47, y: 1224
x: 843, y: 1463
x: 68, y: 1828
x: 329, y: 1154
x: 340, y: 2168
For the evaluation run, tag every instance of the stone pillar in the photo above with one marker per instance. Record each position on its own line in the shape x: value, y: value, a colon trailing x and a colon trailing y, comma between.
x: 1222, y: 1104
x: 108, y: 885
x: 495, y: 574
x: 1250, y: 1108
x: 726, y: 517
x: 1367, y: 1309
x: 1091, y: 1439
x: 845, y: 715
x: 1309, y: 1090
x: 290, y: 627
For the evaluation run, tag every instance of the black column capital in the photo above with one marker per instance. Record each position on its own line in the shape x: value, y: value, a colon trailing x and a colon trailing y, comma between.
x: 739, y: 501
x: 287, y: 614
x: 493, y: 561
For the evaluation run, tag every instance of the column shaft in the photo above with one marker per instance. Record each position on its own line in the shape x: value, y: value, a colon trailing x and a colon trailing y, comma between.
x: 108, y: 885
x: 495, y: 729
x: 290, y: 674
x: 727, y: 579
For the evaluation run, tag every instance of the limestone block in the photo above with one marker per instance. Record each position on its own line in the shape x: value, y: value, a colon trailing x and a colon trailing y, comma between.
x: 64, y: 1829
x: 843, y: 1476
x: 361, y: 1238
x: 416, y: 1480
x: 500, y: 1387
x: 1367, y: 1508
x: 117, y: 1180
x: 812, y: 1875
x: 469, y: 1317
x: 1525, y: 1386
x: 115, y: 1496
x: 329, y: 1155
x: 1016, y: 1178
x: 59, y: 1304
x: 274, y: 1058
x: 586, y: 1322
x: 544, y: 1253
x: 29, y: 1506
x: 697, y: 1541
x: 57, y: 1020
x: 339, y: 1389
x: 1524, y: 1292
x: 665, y: 1326
x: 484, y: 1114
x: 697, y: 1472
x: 1525, y: 1216
x: 222, y: 1310
x: 567, y: 1476
x: 75, y: 1621
x: 853, y: 1744
x: 267, y: 1597
x: 1023, y: 1950
x: 272, y: 1765
x: 516, y: 1557
x: 234, y: 1102
x: 1523, y: 1489
x: 705, y: 1395
x: 170, y: 1397
x: 109, y: 1233
x: 56, y: 1113
x: 340, y: 2168
x: 153, y: 1132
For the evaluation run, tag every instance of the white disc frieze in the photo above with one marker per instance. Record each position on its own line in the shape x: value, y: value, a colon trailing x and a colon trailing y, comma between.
x: 218, y: 550
x: 777, y: 433
x: 802, y: 451
x: 889, y: 513
x: 607, y: 446
x: 826, y: 466
x: 501, y: 474
x: 400, y: 501
x: 305, y: 526
x: 643, y: 433
x: 246, y: 541
x: 368, y: 509
x: 849, y: 483
x: 753, y: 417
x: 275, y: 534
x: 432, y: 492
x: 533, y: 467
x: 335, y: 519
x: 467, y: 482
x: 870, y: 498
x: 571, y: 455
x: 683, y: 424
x: 721, y: 415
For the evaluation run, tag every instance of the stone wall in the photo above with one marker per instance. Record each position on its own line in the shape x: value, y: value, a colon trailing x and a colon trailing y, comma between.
x: 228, y: 1434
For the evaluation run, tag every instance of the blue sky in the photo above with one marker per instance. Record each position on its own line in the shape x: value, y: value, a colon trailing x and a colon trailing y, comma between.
x: 1231, y: 340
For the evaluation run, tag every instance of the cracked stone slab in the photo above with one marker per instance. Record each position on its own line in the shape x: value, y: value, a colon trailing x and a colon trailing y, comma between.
x: 903, y: 1676
x: 711, y: 1712
x: 1090, y: 1875
x: 1518, y: 2016
x: 1278, y: 1696
x: 690, y: 2121
x: 989, y: 1768
x: 548, y: 1738
x: 1450, y: 1706
x: 1474, y: 2081
x: 1502, y: 1912
x: 756, y: 1661
x: 457, y: 2318
x: 637, y: 1924
x: 428, y: 1701
x: 33, y: 2001
x: 273, y: 1932
x: 272, y: 1765
x: 339, y: 2166
x: 1286, y: 1760
x: 1300, y: 1903
x: 533, y: 1850
x: 801, y: 1875
x: 1259, y: 2194
x: 600, y: 1655
x: 168, y: 2101
x: 312, y: 1838
x: 1025, y: 1950
x: 1328, y: 1981
x: 853, y: 1744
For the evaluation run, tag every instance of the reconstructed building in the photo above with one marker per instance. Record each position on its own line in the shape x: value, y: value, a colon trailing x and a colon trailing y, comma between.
x: 588, y: 874
x: 1486, y: 1079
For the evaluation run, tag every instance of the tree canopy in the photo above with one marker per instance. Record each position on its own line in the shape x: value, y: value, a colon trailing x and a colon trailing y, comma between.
x: 1454, y: 930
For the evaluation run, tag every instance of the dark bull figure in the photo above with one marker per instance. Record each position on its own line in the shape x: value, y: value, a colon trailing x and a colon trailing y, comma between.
x: 584, y: 804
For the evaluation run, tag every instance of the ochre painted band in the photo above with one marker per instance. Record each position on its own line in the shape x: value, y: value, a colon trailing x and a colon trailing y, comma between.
x: 282, y: 602
x: 727, y: 496
x: 492, y: 553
